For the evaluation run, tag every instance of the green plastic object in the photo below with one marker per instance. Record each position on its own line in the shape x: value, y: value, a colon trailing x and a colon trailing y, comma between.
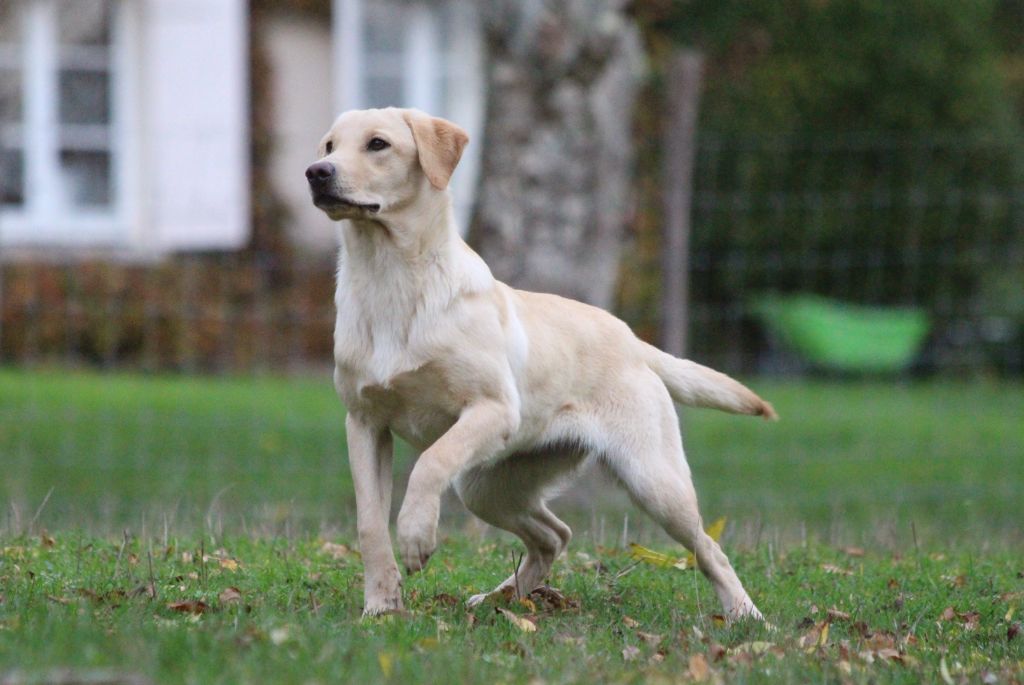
x: 845, y: 337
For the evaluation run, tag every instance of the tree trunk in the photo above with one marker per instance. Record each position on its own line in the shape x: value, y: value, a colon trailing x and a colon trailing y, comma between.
x: 679, y: 156
x: 556, y: 167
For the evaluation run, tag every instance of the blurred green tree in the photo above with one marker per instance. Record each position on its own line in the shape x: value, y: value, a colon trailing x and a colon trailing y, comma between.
x: 863, y: 149
x: 813, y: 65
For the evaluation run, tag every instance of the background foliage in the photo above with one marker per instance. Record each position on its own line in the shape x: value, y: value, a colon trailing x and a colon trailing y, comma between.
x: 870, y: 151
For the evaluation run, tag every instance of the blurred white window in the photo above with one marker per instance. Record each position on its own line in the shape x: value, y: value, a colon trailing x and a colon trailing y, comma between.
x: 426, y: 55
x: 63, y: 97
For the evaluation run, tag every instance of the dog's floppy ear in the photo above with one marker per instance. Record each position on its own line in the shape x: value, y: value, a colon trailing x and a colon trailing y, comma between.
x: 439, y: 143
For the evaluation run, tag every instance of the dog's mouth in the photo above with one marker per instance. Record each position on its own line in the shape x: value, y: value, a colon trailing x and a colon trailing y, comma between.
x: 330, y: 203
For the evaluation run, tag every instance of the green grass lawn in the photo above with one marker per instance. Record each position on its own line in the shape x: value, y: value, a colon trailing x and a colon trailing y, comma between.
x: 286, y: 611
x: 898, y: 507
x: 848, y: 463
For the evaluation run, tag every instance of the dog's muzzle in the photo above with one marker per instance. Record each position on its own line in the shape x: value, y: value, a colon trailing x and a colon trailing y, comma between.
x: 322, y: 177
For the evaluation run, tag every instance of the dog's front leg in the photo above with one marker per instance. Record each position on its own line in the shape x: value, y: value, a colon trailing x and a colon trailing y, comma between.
x: 369, y: 454
x: 482, y: 430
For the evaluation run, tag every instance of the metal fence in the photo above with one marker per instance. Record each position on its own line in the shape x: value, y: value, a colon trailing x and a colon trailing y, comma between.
x: 933, y: 222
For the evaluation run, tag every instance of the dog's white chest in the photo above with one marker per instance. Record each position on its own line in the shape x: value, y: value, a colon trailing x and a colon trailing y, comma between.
x: 394, y: 381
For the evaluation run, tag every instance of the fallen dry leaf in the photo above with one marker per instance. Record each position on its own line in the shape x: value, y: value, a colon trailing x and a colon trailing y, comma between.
x: 524, y: 624
x: 756, y: 648
x: 630, y: 653
x: 446, y: 599
x: 552, y: 599
x: 649, y: 638
x: 881, y: 640
x: 630, y: 623
x: 832, y: 568
x: 815, y: 637
x: 230, y: 595
x: 948, y: 614
x: 386, y: 663
x: 698, y: 668
x: 228, y: 564
x: 716, y: 651
x: 528, y: 604
x: 195, y: 607
x: 837, y: 615
x: 649, y: 556
x: 335, y: 551
x: 426, y: 644
x: 970, y: 619
x: 1012, y: 631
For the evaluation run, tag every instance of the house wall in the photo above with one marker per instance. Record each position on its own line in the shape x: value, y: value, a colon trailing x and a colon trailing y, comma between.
x: 299, y: 49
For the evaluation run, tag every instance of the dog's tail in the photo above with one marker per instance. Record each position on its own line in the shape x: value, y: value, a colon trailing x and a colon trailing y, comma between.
x: 694, y: 385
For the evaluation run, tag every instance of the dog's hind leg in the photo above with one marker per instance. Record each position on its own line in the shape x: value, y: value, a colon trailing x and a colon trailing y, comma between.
x: 647, y: 457
x: 511, y: 495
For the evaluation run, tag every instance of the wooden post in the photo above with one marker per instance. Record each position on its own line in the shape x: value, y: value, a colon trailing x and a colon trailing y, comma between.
x: 683, y: 80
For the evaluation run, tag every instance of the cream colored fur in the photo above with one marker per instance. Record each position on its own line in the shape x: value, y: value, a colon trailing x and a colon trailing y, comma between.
x: 506, y: 392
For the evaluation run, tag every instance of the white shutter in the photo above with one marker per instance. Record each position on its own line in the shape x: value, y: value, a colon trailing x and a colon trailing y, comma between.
x: 195, y: 161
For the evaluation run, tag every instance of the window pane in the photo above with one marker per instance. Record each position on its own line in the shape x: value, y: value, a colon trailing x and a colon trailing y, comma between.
x: 84, y: 97
x: 10, y: 96
x: 12, y: 177
x: 85, y: 177
x: 84, y: 22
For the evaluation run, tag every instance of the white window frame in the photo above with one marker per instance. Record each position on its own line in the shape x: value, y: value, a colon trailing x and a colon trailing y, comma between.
x: 43, y: 220
x: 424, y: 62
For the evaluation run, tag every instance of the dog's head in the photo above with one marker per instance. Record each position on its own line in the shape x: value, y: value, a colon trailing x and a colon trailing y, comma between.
x: 377, y: 161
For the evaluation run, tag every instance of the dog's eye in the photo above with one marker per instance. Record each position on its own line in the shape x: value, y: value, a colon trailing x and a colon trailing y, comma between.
x: 329, y: 147
x: 377, y: 144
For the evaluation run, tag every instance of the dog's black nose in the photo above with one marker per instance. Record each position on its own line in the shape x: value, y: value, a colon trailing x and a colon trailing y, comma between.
x: 318, y: 172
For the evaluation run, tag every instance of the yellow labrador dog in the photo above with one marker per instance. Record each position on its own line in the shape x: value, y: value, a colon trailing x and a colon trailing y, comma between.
x: 505, y: 392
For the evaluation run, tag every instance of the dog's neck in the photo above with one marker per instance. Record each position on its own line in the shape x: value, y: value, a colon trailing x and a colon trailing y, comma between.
x: 416, y: 258
x: 401, y: 237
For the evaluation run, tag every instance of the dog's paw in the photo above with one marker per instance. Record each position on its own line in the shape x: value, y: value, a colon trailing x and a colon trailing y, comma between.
x: 477, y: 600
x: 744, y: 610
x: 415, y: 554
x: 383, y: 606
x: 417, y: 539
